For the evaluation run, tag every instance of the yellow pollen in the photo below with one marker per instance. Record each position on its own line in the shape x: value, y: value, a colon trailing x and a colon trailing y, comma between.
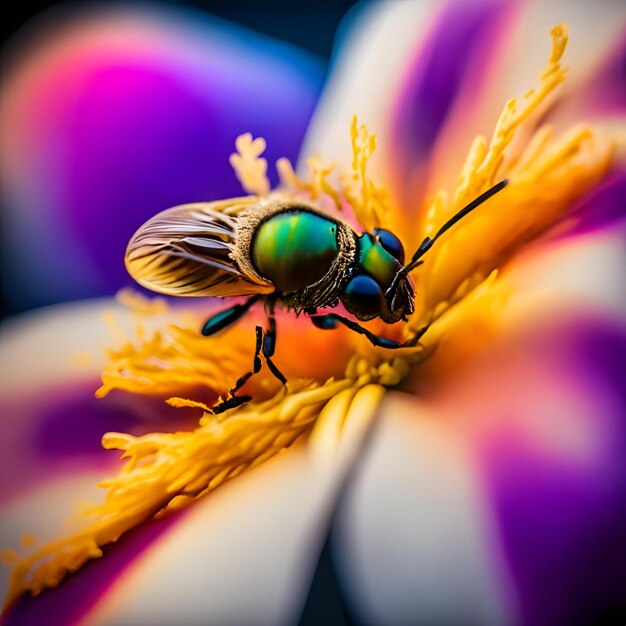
x: 178, y: 403
x: 174, y: 359
x: 369, y: 201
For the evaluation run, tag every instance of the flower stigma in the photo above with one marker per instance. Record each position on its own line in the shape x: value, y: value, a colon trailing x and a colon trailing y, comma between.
x: 339, y: 396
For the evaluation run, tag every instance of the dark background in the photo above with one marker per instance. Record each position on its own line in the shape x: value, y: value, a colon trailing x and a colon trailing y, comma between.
x: 309, y: 25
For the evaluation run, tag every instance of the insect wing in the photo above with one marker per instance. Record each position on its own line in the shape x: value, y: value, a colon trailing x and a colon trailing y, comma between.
x: 185, y: 251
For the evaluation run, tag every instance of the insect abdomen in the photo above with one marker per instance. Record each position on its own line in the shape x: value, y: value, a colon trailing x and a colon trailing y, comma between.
x: 294, y: 249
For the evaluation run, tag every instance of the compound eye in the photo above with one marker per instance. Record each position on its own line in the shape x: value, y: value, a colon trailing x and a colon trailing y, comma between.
x: 363, y: 297
x: 390, y: 243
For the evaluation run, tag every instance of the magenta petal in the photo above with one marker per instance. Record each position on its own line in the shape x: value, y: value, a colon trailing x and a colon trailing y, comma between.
x: 115, y: 115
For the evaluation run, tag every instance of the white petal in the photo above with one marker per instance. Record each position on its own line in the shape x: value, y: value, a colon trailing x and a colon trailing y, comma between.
x: 244, y: 555
x: 581, y: 271
x: 379, y: 41
x: 365, y: 76
x: 593, y: 26
x: 42, y: 348
x: 411, y: 536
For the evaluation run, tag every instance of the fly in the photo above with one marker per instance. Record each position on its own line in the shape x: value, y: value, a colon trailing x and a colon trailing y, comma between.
x: 287, y: 253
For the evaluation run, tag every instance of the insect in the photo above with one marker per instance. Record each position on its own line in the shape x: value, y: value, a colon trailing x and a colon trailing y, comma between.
x: 284, y: 252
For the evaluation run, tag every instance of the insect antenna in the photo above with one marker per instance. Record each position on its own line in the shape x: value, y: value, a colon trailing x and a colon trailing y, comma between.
x: 427, y: 244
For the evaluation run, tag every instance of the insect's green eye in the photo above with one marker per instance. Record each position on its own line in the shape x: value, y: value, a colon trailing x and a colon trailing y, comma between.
x: 390, y: 243
x: 363, y: 297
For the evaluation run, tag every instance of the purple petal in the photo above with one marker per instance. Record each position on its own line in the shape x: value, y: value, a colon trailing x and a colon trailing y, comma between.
x: 54, y: 423
x: 607, y: 89
x: 562, y: 519
x: 501, y: 493
x: 71, y: 602
x: 601, y: 208
x: 461, y: 38
x: 115, y: 115
x: 454, y: 59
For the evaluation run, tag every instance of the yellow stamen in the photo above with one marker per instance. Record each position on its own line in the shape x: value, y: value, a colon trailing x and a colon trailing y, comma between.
x: 178, y: 403
x: 138, y: 303
x: 319, y: 172
x: 548, y: 175
x: 368, y: 201
x: 175, y: 359
x: 167, y: 471
x: 250, y: 168
x: 480, y: 171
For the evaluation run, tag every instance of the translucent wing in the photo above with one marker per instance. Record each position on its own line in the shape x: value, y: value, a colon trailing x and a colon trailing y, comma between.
x: 185, y: 251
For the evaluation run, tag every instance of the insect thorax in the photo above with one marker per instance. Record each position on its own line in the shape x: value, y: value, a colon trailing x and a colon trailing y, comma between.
x: 264, y: 224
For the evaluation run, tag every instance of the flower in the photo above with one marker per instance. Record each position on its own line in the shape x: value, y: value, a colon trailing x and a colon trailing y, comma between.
x: 501, y: 452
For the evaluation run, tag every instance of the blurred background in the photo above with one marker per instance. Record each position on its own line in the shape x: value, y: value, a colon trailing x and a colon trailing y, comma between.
x: 113, y: 111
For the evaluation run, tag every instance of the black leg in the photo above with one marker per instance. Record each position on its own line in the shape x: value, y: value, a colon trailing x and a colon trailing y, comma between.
x: 331, y: 320
x: 234, y: 400
x: 225, y: 318
x: 256, y: 367
x: 269, y: 344
x: 231, y: 403
x: 266, y: 343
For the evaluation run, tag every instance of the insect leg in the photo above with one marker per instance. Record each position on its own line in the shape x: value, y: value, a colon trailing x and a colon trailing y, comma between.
x: 234, y: 400
x: 331, y: 320
x: 225, y: 318
x: 269, y: 344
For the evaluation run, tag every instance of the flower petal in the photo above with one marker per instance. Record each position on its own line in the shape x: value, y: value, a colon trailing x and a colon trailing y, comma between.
x: 244, y: 555
x: 555, y: 479
x: 603, y: 208
x: 206, y: 560
x: 41, y: 513
x: 112, y: 115
x: 510, y: 468
x: 444, y: 83
x: 446, y: 80
x: 53, y: 422
x: 548, y: 281
x: 594, y: 30
x: 411, y: 536
x: 594, y: 56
